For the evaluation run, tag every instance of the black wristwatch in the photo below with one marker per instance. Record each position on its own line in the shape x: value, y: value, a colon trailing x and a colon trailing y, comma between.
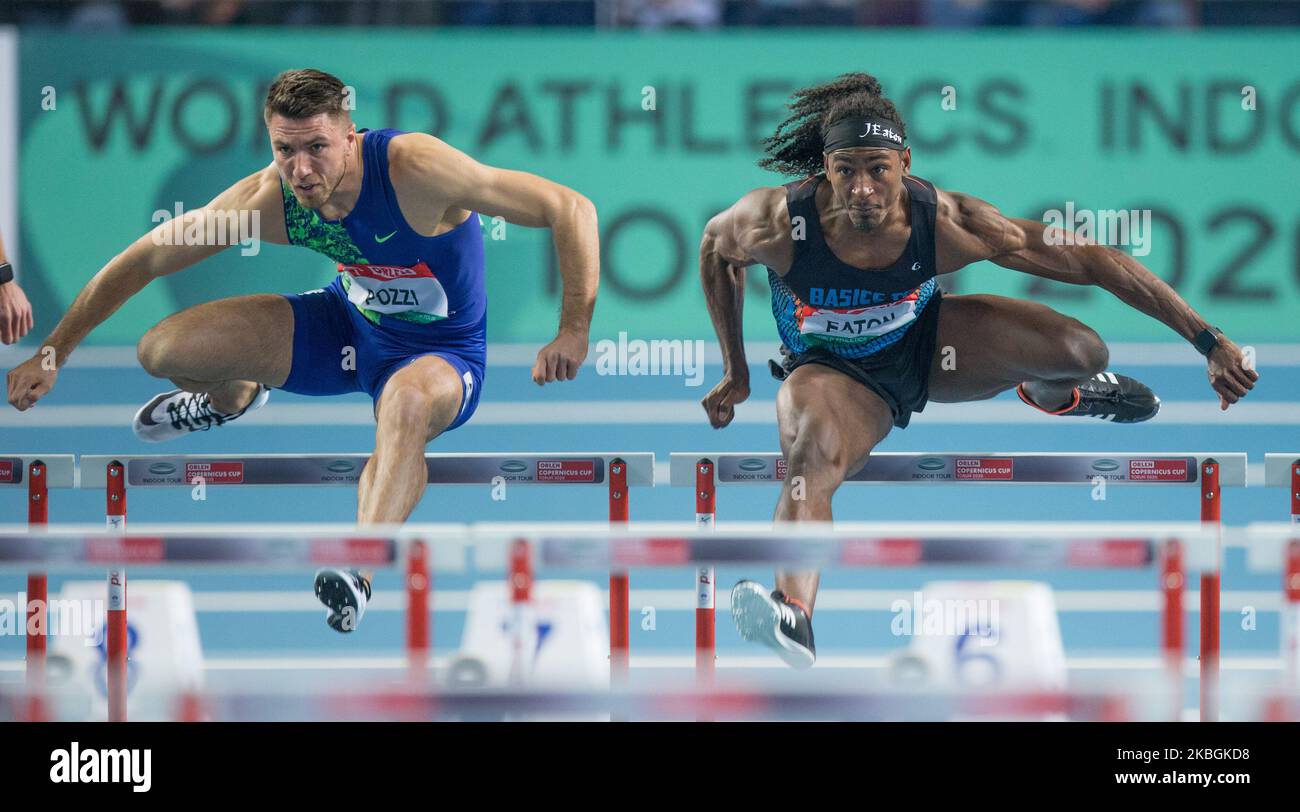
x: 1207, y: 340
x: 6, y: 273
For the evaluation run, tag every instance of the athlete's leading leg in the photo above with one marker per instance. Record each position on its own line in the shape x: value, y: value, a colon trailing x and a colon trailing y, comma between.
x: 988, y: 344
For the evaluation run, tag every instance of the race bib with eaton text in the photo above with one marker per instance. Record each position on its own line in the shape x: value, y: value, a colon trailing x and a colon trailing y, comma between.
x: 865, y: 322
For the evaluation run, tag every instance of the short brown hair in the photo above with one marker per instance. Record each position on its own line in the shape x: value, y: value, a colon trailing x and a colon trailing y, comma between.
x: 303, y: 94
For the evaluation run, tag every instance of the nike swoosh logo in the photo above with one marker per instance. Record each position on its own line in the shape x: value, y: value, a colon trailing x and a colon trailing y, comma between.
x: 384, y: 239
x: 146, y: 415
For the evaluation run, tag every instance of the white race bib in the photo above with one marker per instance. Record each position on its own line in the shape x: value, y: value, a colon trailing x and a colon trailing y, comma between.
x: 866, y: 322
x: 396, y: 289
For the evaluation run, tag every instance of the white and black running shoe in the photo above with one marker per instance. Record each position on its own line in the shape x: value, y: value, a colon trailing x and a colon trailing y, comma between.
x: 177, y: 413
x: 773, y: 620
x: 345, y: 593
x: 1107, y: 396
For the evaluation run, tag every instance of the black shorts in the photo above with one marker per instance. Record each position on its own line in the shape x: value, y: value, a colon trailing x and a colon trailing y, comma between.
x: 899, y: 374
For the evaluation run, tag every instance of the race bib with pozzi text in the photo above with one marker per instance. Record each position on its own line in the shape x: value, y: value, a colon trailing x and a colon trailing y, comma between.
x: 393, y: 289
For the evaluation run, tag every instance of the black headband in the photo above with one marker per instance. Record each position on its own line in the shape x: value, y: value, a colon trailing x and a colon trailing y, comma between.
x: 879, y: 133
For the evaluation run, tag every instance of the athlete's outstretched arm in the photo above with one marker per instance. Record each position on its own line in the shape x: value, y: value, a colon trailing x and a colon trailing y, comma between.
x: 745, y: 234
x: 970, y: 230
x: 448, y: 178
x: 126, y: 274
x: 15, y: 310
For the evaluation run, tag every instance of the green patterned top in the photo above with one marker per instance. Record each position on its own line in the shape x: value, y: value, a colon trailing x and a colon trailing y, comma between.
x: 308, y: 229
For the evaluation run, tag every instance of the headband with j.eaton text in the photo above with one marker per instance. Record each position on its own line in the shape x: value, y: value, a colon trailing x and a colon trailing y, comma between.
x: 875, y: 133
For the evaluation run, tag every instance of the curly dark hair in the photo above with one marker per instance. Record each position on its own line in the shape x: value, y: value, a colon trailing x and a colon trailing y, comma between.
x: 796, y: 147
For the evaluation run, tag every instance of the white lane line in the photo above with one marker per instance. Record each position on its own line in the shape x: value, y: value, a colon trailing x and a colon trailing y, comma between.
x: 681, y: 600
x: 1162, y: 353
x: 659, y: 412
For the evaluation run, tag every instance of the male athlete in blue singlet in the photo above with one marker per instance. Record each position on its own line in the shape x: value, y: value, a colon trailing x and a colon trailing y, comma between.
x: 852, y: 249
x: 404, y: 320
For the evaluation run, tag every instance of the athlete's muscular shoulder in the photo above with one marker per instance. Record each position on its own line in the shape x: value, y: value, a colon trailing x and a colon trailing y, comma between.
x: 428, y: 176
x: 756, y: 229
x: 969, y: 230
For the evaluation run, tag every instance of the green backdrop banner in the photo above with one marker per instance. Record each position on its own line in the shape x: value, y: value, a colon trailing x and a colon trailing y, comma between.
x: 1202, y: 129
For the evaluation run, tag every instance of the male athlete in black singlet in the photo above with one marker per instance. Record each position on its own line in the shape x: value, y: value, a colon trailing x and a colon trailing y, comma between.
x: 852, y: 249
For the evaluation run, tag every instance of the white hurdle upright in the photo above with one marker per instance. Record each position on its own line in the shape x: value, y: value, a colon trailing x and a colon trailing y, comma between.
x: 119, y: 473
x: 1283, y: 471
x: 38, y: 473
x: 705, y: 472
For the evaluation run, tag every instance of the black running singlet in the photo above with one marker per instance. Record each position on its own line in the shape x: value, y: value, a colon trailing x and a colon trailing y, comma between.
x: 826, y: 304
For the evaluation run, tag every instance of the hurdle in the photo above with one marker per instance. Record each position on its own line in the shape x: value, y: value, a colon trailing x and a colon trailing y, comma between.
x: 854, y: 545
x: 226, y: 547
x: 1030, y: 545
x: 1283, y: 471
x: 73, y: 548
x: 1274, y: 547
x: 40, y: 473
x: 119, y: 473
x: 705, y: 472
x: 729, y: 702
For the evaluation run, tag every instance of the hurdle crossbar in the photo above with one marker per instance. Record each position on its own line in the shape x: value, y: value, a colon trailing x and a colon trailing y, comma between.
x: 58, y: 470
x: 1211, y: 471
x: 263, y: 549
x: 970, y: 468
x: 341, y: 470
x: 737, y: 701
x: 592, y: 546
x: 866, y: 545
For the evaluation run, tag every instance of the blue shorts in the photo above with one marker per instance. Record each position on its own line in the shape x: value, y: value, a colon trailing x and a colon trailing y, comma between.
x: 325, y: 323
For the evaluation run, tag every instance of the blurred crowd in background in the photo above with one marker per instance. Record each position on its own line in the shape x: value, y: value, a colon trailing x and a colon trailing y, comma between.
x: 652, y: 14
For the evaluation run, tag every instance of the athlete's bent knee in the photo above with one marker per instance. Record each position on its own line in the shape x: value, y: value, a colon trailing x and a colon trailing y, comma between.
x: 407, y: 406
x: 413, y: 408
x: 153, y: 351
x: 820, y: 456
x: 1085, y: 353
